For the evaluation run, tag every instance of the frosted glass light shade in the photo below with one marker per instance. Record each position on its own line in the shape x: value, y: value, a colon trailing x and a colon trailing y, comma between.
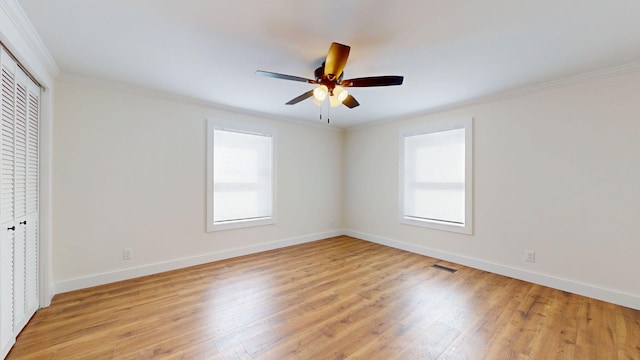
x: 338, y: 96
x: 320, y: 93
x: 333, y: 100
x: 341, y: 93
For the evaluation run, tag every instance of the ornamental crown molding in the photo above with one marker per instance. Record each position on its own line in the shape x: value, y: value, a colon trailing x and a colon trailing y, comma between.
x: 32, y: 39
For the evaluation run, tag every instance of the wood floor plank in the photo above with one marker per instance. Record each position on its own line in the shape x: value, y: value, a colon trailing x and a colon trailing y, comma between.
x: 339, y: 298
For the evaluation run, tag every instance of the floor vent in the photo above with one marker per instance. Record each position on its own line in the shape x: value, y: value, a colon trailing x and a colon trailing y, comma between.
x: 440, y: 267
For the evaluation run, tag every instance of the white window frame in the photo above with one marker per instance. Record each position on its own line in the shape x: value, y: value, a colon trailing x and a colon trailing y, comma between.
x: 242, y: 128
x: 432, y: 127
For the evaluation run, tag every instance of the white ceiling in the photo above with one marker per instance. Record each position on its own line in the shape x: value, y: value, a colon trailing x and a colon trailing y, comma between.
x: 448, y: 51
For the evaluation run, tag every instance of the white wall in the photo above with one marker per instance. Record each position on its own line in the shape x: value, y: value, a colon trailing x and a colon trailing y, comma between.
x: 557, y: 172
x: 130, y: 172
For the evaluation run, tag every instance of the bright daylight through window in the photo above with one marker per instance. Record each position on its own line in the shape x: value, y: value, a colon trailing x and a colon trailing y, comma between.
x: 240, y: 179
x: 436, y: 176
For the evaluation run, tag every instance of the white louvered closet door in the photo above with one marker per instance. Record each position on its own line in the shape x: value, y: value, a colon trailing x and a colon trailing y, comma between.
x: 7, y: 111
x: 32, y: 201
x: 19, y: 111
x: 20, y: 315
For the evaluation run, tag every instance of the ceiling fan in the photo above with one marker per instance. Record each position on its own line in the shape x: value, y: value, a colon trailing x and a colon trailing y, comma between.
x: 329, y: 78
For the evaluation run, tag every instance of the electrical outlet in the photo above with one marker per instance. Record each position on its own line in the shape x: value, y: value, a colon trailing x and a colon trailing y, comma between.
x: 530, y: 256
x: 127, y: 254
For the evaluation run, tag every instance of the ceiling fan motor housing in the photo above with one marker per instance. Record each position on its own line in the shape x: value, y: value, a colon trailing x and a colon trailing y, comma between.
x: 323, y: 79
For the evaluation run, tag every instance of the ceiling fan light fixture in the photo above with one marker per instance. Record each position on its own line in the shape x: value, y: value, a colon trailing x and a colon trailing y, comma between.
x: 320, y: 93
x: 337, y: 96
x: 333, y: 101
x: 341, y: 93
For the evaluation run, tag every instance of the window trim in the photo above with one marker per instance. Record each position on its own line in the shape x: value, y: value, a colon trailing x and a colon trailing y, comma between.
x: 431, y: 127
x: 248, y: 129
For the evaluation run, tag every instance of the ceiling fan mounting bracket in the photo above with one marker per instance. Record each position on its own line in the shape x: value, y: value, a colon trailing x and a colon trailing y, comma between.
x: 330, y: 80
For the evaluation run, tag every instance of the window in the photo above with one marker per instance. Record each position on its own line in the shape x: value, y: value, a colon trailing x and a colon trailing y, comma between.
x: 436, y: 176
x: 240, y: 179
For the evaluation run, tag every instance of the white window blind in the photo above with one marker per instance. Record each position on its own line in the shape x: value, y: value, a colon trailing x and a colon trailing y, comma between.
x: 242, y: 177
x: 436, y: 177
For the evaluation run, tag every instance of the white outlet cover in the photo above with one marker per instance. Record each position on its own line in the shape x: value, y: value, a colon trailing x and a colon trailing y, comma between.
x: 530, y: 255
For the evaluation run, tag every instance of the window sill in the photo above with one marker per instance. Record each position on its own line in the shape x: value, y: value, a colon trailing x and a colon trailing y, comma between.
x: 240, y: 224
x: 437, y: 225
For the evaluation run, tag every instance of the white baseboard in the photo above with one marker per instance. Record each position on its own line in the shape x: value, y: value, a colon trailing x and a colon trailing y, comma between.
x: 4, y: 351
x: 134, y: 272
x: 612, y: 296
x: 608, y: 295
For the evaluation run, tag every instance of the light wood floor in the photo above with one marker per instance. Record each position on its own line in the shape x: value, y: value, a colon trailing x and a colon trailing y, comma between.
x: 339, y: 298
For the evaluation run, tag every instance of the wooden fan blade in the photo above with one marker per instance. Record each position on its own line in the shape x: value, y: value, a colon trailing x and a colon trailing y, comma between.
x: 373, y: 81
x: 336, y: 60
x: 304, y: 96
x: 285, y: 77
x: 350, y: 102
